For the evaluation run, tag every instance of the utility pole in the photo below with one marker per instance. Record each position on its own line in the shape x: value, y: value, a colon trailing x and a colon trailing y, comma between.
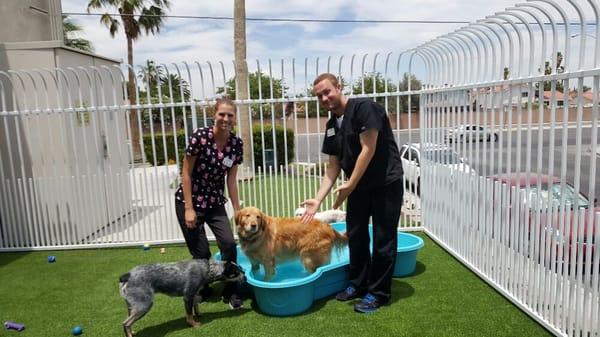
x: 241, y: 75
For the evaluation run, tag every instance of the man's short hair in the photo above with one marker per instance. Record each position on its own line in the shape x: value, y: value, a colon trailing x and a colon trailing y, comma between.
x: 327, y: 76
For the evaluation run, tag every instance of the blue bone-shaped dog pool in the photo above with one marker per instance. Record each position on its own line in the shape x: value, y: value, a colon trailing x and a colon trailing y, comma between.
x: 293, y: 290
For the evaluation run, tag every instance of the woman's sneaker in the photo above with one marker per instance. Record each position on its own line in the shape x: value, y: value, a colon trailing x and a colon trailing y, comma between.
x: 349, y: 293
x: 235, y: 302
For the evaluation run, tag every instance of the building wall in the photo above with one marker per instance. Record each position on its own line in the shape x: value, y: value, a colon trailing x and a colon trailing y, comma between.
x: 30, y: 20
x: 72, y: 172
x: 99, y: 137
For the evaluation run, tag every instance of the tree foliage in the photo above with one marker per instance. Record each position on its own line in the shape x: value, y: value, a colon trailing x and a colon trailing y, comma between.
x: 368, y: 82
x: 71, y: 32
x: 135, y: 17
x: 376, y: 83
x: 172, y: 87
x: 559, y: 70
x: 153, y: 80
x: 261, y: 86
x: 415, y: 84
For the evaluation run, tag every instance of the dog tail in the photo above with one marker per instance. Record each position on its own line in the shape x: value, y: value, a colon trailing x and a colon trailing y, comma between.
x: 340, y: 241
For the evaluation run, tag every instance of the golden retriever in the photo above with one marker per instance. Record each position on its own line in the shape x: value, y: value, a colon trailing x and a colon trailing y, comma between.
x: 266, y: 240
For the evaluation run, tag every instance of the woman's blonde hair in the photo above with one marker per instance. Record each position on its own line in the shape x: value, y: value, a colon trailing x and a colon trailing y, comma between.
x: 223, y: 101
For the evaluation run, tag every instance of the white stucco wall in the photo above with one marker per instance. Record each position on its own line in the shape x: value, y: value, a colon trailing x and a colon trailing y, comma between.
x: 30, y: 20
x: 63, y: 172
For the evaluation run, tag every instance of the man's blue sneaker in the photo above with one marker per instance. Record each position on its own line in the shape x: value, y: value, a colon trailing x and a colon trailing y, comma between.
x: 368, y: 304
x: 349, y: 293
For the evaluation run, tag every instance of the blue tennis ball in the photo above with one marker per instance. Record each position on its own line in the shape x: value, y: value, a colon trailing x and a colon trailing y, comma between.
x: 77, y: 331
x: 51, y: 259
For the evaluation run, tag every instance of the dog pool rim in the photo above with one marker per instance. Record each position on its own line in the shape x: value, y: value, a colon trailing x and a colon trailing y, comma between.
x: 417, y: 245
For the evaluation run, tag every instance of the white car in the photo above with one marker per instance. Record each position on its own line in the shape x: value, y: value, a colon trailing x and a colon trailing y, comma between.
x: 411, y: 156
x: 471, y: 133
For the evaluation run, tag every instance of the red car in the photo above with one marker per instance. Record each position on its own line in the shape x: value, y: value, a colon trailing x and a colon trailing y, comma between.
x: 551, y: 193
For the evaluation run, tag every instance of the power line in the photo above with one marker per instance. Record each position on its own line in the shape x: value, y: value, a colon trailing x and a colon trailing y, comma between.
x: 279, y: 19
x: 228, y: 18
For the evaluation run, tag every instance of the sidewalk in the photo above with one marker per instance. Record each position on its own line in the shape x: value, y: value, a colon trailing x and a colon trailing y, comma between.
x: 152, y: 217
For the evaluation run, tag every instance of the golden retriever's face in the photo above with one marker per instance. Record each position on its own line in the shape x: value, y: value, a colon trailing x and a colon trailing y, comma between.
x: 249, y: 222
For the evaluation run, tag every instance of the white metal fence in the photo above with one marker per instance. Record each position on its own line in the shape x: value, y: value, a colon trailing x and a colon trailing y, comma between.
x: 522, y: 211
x: 84, y: 166
x: 503, y: 149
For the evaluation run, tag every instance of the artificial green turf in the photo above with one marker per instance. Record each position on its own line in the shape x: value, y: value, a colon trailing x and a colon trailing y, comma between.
x: 442, y: 298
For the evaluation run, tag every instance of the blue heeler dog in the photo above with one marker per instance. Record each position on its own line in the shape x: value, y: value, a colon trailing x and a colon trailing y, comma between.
x: 185, y: 278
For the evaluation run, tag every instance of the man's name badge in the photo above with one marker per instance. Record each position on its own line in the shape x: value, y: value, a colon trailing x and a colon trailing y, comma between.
x: 330, y: 132
x: 227, y: 162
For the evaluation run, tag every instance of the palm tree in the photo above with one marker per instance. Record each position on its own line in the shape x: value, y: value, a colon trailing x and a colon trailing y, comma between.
x: 173, y: 88
x: 150, y: 74
x: 70, y: 31
x: 178, y: 86
x: 135, y: 16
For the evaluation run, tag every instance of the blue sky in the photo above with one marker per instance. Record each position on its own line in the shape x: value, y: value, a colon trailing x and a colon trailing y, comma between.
x: 212, y: 40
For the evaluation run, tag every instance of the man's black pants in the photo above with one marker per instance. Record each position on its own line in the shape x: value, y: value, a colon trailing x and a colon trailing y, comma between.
x: 373, y: 272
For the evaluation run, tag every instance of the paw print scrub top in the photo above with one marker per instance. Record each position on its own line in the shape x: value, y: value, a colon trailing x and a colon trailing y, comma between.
x: 210, y: 168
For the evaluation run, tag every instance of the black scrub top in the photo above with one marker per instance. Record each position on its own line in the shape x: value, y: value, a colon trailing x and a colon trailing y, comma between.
x: 360, y: 115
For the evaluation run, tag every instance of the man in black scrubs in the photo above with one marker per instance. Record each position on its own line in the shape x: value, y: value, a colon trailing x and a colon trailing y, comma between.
x: 359, y: 140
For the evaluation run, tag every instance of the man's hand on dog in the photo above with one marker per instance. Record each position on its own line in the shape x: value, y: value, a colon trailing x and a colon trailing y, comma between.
x: 311, y: 206
x: 190, y: 218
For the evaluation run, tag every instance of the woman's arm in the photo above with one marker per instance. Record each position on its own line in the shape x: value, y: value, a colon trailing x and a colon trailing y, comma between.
x: 232, y: 187
x: 186, y: 184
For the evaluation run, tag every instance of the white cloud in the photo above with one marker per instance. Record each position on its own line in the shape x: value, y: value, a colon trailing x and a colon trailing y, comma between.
x: 212, y: 40
x: 189, y: 39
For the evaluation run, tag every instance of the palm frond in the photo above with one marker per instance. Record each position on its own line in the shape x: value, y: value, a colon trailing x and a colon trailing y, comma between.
x: 162, y: 3
x: 134, y: 29
x: 69, y: 25
x: 151, y: 19
x: 81, y: 44
x: 70, y: 32
x: 148, y: 18
x: 95, y: 4
x: 111, y: 23
x: 106, y: 19
x: 114, y: 27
